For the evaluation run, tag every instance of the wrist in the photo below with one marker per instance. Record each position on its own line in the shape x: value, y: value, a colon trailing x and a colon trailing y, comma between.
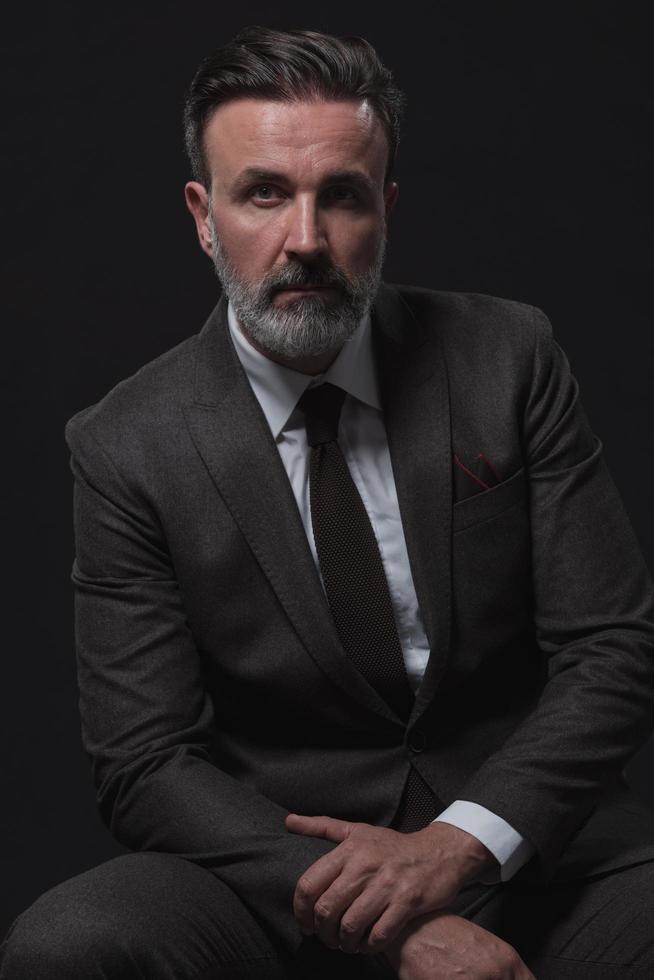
x: 393, y: 950
x: 407, y: 943
x: 471, y: 856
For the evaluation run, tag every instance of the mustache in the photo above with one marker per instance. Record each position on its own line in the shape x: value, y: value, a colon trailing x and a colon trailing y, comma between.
x: 297, y: 276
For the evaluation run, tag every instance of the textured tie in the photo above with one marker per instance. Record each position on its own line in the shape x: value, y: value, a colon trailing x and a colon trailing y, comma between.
x: 354, y: 578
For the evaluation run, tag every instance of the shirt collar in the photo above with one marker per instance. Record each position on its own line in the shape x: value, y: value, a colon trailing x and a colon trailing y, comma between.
x: 278, y: 388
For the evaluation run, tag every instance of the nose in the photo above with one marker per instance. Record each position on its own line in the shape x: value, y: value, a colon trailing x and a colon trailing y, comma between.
x: 305, y: 238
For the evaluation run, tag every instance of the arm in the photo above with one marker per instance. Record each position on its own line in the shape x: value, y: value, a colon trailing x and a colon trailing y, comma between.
x: 446, y: 945
x: 146, y: 717
x: 594, y: 621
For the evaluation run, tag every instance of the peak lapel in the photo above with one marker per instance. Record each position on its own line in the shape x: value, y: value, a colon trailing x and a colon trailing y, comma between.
x: 231, y: 434
x: 415, y: 395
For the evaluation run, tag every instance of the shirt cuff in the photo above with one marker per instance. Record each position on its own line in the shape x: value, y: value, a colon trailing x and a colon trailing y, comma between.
x: 506, y: 844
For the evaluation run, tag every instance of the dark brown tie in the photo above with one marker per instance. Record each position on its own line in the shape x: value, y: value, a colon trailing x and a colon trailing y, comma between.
x: 354, y: 578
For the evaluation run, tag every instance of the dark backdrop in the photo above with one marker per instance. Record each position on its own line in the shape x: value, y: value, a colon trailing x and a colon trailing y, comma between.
x: 524, y: 169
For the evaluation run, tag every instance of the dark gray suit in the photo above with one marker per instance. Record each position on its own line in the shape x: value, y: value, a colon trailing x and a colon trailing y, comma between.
x: 215, y: 695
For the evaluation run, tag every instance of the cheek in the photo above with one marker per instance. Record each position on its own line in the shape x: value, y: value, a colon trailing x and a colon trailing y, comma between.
x: 356, y: 244
x: 250, y: 245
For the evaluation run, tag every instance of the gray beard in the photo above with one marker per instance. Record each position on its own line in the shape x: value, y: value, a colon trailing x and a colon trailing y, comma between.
x: 307, y: 325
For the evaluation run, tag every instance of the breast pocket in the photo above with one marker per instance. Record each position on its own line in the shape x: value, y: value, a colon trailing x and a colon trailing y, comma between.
x: 490, y: 503
x: 492, y: 598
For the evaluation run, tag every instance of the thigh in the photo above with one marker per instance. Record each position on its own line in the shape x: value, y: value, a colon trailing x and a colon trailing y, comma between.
x: 142, y: 915
x: 599, y: 927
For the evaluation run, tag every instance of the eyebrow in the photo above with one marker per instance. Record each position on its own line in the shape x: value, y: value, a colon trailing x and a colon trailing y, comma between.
x: 250, y: 174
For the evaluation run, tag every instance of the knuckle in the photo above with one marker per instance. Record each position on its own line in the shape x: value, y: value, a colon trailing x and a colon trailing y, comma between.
x: 409, y: 895
x: 322, y: 911
x: 504, y: 968
x: 407, y: 902
x: 303, y: 889
x: 509, y: 954
x: 378, y: 937
x: 513, y: 960
x: 389, y: 881
x: 349, y: 927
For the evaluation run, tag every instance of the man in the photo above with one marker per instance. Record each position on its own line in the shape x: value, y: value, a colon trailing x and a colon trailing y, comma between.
x: 364, y: 635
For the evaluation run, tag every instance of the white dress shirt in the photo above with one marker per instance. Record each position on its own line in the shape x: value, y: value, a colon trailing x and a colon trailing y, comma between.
x: 362, y: 438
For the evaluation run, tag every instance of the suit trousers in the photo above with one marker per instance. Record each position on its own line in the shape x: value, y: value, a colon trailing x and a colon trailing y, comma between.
x: 155, y: 916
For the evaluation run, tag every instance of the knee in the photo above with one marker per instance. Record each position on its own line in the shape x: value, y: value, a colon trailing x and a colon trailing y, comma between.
x: 79, y: 928
x: 51, y: 941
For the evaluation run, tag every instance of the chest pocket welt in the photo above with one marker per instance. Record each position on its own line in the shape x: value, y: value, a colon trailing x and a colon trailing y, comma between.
x: 489, y: 503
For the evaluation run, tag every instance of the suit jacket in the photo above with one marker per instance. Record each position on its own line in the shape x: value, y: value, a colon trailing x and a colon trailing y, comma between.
x: 214, y: 693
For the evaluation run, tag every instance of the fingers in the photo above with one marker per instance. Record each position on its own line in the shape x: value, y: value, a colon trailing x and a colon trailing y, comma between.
x: 333, y: 914
x: 315, y: 880
x: 389, y: 926
x: 327, y: 827
x: 349, y: 910
x: 363, y: 913
x: 358, y: 920
x: 384, y: 910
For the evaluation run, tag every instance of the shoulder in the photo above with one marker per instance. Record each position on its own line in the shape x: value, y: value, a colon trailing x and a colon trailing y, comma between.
x: 494, y: 349
x: 447, y: 312
x: 479, y: 333
x: 146, y: 402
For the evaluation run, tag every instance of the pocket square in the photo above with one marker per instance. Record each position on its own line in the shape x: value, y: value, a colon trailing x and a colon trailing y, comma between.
x: 474, y: 476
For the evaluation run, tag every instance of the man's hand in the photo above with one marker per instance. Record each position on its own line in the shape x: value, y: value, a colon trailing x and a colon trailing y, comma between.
x: 362, y: 894
x: 448, y: 946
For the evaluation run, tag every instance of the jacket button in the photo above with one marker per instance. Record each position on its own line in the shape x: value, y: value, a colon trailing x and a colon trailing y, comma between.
x: 417, y: 740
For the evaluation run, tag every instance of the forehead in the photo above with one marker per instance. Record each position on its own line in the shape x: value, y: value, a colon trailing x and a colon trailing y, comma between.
x: 308, y: 137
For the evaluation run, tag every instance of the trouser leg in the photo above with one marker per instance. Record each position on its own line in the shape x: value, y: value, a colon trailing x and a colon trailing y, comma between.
x: 149, y: 916
x: 158, y: 917
x: 599, y: 928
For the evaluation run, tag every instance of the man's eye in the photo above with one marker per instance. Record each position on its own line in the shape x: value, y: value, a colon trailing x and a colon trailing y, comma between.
x: 343, y: 194
x: 266, y: 192
x: 263, y: 191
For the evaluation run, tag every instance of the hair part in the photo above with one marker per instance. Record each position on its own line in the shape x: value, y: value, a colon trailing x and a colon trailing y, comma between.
x: 290, y: 66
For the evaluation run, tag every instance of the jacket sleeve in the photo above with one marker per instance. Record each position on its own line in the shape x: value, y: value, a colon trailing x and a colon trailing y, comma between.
x: 146, y: 717
x: 593, y: 609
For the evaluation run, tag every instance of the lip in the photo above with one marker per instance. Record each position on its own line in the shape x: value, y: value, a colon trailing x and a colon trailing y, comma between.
x: 306, y: 289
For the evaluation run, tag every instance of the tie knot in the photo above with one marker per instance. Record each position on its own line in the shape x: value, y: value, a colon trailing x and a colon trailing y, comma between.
x: 321, y: 407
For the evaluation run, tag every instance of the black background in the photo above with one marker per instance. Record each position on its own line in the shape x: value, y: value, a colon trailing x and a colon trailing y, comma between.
x: 524, y: 171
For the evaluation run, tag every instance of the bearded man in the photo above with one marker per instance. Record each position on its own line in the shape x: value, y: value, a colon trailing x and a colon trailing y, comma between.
x: 364, y: 634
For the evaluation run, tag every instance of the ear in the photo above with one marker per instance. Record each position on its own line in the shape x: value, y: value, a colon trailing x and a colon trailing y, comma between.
x: 391, y: 192
x: 197, y: 201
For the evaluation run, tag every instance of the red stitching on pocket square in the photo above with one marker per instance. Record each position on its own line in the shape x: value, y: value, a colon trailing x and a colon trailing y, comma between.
x: 490, y: 465
x: 470, y: 473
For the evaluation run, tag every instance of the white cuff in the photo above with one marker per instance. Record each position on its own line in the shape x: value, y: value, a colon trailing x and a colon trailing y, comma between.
x: 506, y: 844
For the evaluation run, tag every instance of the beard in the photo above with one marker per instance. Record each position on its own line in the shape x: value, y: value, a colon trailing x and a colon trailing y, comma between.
x: 307, y: 325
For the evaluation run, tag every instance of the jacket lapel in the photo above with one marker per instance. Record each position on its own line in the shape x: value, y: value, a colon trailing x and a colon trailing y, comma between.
x: 415, y: 394
x: 231, y: 434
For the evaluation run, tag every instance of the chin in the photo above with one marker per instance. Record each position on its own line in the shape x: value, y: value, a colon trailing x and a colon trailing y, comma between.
x: 304, y: 303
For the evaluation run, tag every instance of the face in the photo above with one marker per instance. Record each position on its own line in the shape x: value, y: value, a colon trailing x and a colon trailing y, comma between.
x: 296, y: 220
